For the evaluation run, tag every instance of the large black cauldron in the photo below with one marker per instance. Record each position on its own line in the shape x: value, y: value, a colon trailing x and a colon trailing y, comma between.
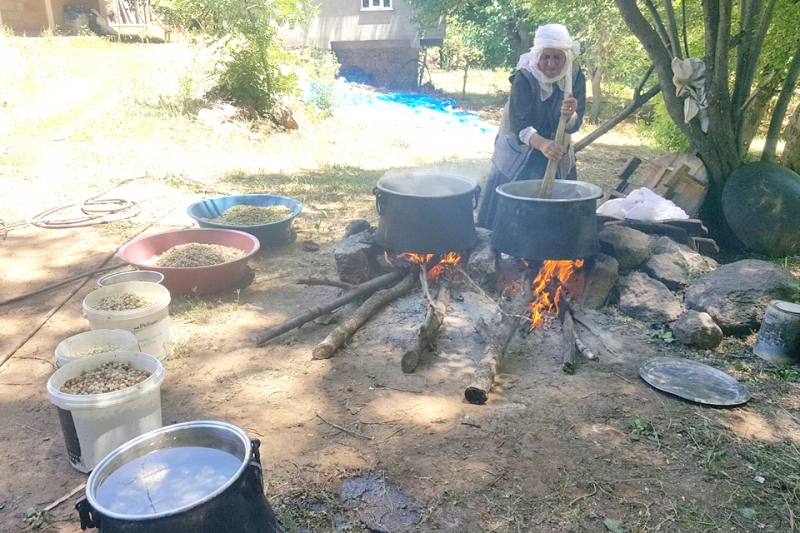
x: 426, y: 213
x: 558, y: 228
x: 221, y: 494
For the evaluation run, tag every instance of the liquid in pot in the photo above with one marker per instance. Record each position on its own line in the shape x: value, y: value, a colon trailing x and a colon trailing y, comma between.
x: 166, y: 480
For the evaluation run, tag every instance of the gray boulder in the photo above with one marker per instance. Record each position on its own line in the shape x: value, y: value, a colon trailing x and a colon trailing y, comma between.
x: 697, y: 329
x: 630, y: 247
x: 355, y: 258
x: 599, y: 282
x: 737, y: 294
x: 644, y: 298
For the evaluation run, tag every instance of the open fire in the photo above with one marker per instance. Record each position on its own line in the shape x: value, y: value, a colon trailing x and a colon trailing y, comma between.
x: 434, y: 264
x: 554, y: 280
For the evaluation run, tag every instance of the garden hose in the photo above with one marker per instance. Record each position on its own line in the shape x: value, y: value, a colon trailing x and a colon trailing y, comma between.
x: 97, y: 212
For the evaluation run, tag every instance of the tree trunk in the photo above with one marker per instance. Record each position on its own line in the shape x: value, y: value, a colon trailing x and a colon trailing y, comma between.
x: 717, y: 148
x: 791, y: 150
x: 781, y: 106
x: 596, y: 76
x: 757, y: 110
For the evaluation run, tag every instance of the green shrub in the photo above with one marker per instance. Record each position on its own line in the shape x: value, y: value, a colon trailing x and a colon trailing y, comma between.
x: 322, y: 68
x: 663, y: 132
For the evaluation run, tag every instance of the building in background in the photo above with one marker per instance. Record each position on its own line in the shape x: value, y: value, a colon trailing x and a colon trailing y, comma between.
x: 375, y: 37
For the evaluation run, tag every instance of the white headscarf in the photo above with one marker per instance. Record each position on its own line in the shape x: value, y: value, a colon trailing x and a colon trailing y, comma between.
x: 551, y: 36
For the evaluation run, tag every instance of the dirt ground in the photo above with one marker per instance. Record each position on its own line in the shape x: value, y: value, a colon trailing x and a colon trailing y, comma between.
x: 595, y: 451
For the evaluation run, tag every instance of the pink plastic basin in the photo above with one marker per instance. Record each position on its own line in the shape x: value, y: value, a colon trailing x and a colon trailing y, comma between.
x: 192, y: 280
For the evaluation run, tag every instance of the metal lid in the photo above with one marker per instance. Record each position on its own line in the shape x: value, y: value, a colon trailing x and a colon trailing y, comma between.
x: 787, y: 307
x: 693, y: 381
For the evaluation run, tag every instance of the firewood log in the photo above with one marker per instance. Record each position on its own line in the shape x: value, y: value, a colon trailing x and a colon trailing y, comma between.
x: 482, y: 380
x: 426, y: 335
x: 338, y: 336
x: 364, y: 289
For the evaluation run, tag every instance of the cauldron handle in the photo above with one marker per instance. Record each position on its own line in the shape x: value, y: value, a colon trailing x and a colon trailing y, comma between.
x: 89, y: 519
x: 378, y: 199
x: 476, y: 195
x: 255, y: 454
x: 253, y: 479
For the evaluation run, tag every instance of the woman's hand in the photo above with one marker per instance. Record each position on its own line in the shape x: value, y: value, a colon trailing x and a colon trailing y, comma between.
x: 569, y: 106
x: 551, y: 149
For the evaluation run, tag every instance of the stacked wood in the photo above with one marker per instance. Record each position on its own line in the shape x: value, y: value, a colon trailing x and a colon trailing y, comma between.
x: 426, y: 335
x: 482, y: 380
x: 357, y: 292
x: 338, y: 336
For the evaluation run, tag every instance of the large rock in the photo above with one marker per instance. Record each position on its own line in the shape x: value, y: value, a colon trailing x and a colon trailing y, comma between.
x: 697, y: 329
x: 630, y: 247
x: 737, y: 294
x: 644, y: 298
x: 599, y: 282
x: 482, y: 264
x: 676, y: 265
x: 355, y: 258
x: 760, y: 201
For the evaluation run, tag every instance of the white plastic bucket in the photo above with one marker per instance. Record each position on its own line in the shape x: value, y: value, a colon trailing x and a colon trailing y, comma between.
x: 150, y: 276
x: 66, y: 349
x: 94, y: 425
x: 150, y: 324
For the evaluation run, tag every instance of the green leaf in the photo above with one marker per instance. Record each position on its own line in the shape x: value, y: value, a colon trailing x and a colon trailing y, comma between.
x: 748, y: 512
x: 614, y: 526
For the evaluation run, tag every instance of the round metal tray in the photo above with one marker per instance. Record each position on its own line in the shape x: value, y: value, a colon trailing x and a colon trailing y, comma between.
x: 693, y: 381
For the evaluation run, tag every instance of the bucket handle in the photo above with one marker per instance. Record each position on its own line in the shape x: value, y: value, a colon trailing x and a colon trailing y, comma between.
x: 476, y: 194
x: 379, y: 200
x: 89, y: 518
x: 255, y: 454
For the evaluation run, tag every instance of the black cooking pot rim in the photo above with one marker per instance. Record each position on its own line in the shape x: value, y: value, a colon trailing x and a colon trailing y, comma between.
x: 596, y: 194
x: 469, y: 183
x: 93, y: 483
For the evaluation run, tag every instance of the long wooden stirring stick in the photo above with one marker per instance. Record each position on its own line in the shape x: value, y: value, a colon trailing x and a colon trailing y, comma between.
x: 552, y: 166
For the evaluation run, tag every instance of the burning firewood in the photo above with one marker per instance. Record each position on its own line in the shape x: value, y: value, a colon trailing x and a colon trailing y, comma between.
x: 483, y: 378
x: 426, y: 335
x: 570, y: 346
x: 357, y: 292
x: 338, y: 336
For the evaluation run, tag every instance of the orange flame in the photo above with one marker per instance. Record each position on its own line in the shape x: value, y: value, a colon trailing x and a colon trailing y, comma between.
x: 548, y: 287
x: 435, y: 268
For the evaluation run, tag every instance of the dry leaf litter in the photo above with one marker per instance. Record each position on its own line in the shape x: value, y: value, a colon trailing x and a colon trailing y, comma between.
x: 194, y: 254
x: 108, y: 377
x: 252, y: 215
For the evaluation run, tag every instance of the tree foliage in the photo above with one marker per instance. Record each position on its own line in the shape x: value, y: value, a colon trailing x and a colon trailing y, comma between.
x: 736, y: 55
x: 250, y: 60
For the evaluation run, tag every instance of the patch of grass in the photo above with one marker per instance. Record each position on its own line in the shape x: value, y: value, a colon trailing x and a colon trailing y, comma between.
x: 640, y: 428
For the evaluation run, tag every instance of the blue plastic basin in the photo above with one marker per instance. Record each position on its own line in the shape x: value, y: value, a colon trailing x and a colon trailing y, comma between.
x: 272, y: 234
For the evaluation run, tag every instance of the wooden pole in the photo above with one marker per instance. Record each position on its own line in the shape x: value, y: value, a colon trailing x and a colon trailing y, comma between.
x: 338, y: 336
x: 360, y: 290
x: 552, y: 166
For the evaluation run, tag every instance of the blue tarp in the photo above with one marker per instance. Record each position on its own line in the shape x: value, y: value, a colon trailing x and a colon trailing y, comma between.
x: 403, y: 109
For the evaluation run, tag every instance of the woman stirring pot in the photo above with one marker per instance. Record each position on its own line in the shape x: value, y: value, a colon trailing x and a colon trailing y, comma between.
x: 545, y: 87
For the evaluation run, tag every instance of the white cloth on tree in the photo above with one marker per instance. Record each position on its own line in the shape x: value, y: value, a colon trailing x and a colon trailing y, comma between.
x: 551, y: 36
x: 689, y: 77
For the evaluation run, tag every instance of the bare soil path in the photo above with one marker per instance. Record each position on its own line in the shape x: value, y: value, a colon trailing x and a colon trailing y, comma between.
x: 550, y: 452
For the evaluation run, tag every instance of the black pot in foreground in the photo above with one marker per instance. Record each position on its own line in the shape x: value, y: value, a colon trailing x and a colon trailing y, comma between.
x: 426, y: 213
x: 195, y: 477
x: 558, y: 228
